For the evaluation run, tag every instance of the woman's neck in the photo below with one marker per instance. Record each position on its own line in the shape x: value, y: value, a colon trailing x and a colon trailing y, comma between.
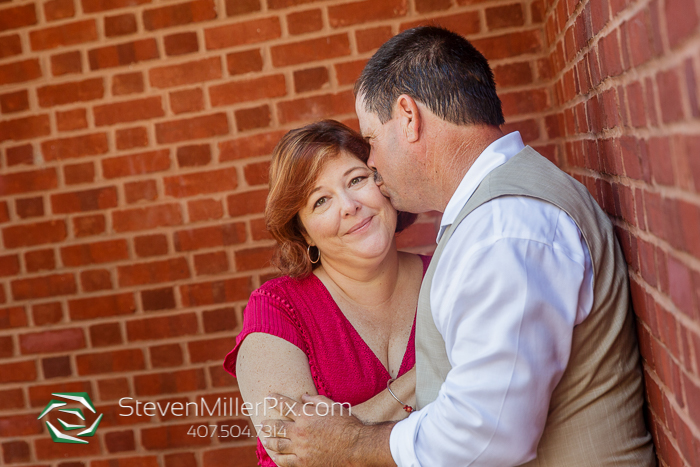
x: 368, y: 283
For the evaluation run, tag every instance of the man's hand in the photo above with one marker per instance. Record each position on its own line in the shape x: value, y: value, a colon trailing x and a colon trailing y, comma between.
x: 323, y: 433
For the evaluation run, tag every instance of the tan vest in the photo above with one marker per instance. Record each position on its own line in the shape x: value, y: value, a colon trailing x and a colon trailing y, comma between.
x: 595, y: 413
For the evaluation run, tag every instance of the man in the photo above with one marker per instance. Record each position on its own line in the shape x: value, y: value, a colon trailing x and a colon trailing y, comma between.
x: 525, y: 344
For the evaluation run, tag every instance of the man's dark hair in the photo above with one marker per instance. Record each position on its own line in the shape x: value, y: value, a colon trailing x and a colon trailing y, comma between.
x: 436, y: 67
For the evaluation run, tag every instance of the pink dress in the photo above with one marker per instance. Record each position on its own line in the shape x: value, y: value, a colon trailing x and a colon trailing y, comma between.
x: 303, y: 313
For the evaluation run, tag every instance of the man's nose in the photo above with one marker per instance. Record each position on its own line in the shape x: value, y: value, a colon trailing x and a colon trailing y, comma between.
x: 370, y: 161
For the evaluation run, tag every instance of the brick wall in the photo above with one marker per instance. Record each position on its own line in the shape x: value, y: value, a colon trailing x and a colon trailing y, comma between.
x: 135, y: 139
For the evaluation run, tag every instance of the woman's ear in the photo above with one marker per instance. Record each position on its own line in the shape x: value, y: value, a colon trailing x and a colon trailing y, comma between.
x: 409, y: 117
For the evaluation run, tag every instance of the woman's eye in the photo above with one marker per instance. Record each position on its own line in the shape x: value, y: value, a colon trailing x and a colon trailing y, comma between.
x: 356, y: 180
x: 320, y: 202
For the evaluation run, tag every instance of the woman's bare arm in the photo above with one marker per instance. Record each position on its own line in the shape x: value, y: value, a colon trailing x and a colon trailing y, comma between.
x: 383, y: 407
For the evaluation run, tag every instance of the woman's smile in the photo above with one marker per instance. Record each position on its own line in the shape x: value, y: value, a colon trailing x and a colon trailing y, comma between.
x: 361, y: 226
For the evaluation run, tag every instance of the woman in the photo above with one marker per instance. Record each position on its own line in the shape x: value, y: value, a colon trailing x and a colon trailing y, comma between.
x: 341, y: 321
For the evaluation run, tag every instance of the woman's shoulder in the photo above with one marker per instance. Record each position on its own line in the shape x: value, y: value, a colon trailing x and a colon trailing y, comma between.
x: 284, y: 288
x: 418, y: 260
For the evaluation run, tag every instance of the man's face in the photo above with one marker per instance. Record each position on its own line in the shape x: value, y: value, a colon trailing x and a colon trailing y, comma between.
x: 389, y: 156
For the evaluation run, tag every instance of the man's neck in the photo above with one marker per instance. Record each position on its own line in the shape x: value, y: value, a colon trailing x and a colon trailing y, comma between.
x: 454, y: 153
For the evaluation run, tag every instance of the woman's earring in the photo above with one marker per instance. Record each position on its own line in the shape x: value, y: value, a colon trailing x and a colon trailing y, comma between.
x: 308, y: 252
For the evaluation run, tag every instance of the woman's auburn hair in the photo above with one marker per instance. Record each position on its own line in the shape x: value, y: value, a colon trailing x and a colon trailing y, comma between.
x: 297, y: 160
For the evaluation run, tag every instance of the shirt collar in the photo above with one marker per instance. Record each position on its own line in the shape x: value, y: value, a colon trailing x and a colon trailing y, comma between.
x: 496, y: 154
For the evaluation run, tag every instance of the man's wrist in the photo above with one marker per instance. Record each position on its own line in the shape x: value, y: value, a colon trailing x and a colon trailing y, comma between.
x: 372, y: 446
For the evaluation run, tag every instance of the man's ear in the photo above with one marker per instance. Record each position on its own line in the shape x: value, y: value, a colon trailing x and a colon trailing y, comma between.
x: 409, y: 117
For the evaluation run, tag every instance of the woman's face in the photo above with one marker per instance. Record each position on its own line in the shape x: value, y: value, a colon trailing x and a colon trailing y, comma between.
x: 346, y: 216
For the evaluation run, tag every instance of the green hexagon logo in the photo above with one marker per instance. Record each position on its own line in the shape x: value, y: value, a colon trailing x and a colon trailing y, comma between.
x: 76, y: 416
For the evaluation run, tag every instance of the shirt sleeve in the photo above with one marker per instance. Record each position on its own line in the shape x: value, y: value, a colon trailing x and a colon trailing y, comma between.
x: 266, y: 313
x: 506, y: 300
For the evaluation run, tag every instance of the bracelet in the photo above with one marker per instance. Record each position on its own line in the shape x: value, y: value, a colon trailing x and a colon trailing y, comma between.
x: 406, y: 407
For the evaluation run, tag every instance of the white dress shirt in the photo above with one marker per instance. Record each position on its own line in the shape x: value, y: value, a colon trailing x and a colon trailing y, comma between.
x: 511, y: 284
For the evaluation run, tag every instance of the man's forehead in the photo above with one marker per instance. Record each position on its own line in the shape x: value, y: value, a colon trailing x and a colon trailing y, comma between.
x: 364, y: 117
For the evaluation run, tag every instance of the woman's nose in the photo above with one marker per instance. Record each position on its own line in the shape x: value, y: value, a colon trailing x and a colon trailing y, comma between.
x: 350, y: 206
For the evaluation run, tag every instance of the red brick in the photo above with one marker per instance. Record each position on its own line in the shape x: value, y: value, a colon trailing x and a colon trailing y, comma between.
x: 63, y: 340
x: 681, y: 20
x: 15, y: 452
x: 121, y: 441
x: 93, y: 6
x: 113, y: 388
x: 310, y: 79
x: 513, y: 74
x: 75, y: 119
x: 140, y: 190
x: 186, y: 73
x: 11, y: 399
x: 182, y: 13
x: 10, y: 45
x: 208, y: 237
x: 167, y: 383
x: 681, y: 287
x: 46, y: 286
x: 66, y: 34
x: 95, y: 253
x: 47, y: 313
x: 168, y: 355
x: 162, y: 327
x: 204, y: 210
x: 100, y: 307
x: 220, y: 377
x: 112, y: 361
x: 505, y: 16
x: 305, y: 21
x: 210, y: 349
x: 244, y: 62
x: 128, y: 111
x: 40, y: 260
x: 96, y: 279
x: 425, y: 6
x: 120, y: 25
x: 223, y: 319
x: 211, y: 263
x: 235, y: 92
x: 221, y: 291
x: 205, y: 126
x: 89, y: 225
x: 312, y: 108
x: 66, y: 63
x: 17, y: 155
x: 533, y: 100
x: 660, y: 160
x: 150, y: 273
x: 76, y: 146
x: 181, y: 43
x: 610, y: 60
x: 464, y: 23
x: 373, y: 38
x: 187, y: 100
x: 105, y: 334
x: 194, y: 155
x: 143, y: 461
x: 14, y: 101
x: 17, y: 17
x: 241, y: 7
x: 253, y: 258
x: 79, y: 173
x: 347, y: 73
x: 13, y: 373
x: 24, y: 128
x: 243, y: 455
x: 19, y: 72
x: 147, y: 218
x: 40, y: 395
x: 123, y: 54
x: 29, y: 207
x: 129, y: 138
x: 59, y: 9
x: 34, y: 234
x: 56, y: 367
x: 365, y: 11
x: 509, y: 45
x: 158, y: 299
x: 256, y: 117
x: 87, y: 200
x: 127, y: 83
x: 310, y: 50
x: 257, y: 173
x: 248, y: 32
x: 151, y: 245
x: 251, y: 146
x: 135, y: 164
x: 672, y: 101
x: 14, y: 317
x: 252, y: 202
